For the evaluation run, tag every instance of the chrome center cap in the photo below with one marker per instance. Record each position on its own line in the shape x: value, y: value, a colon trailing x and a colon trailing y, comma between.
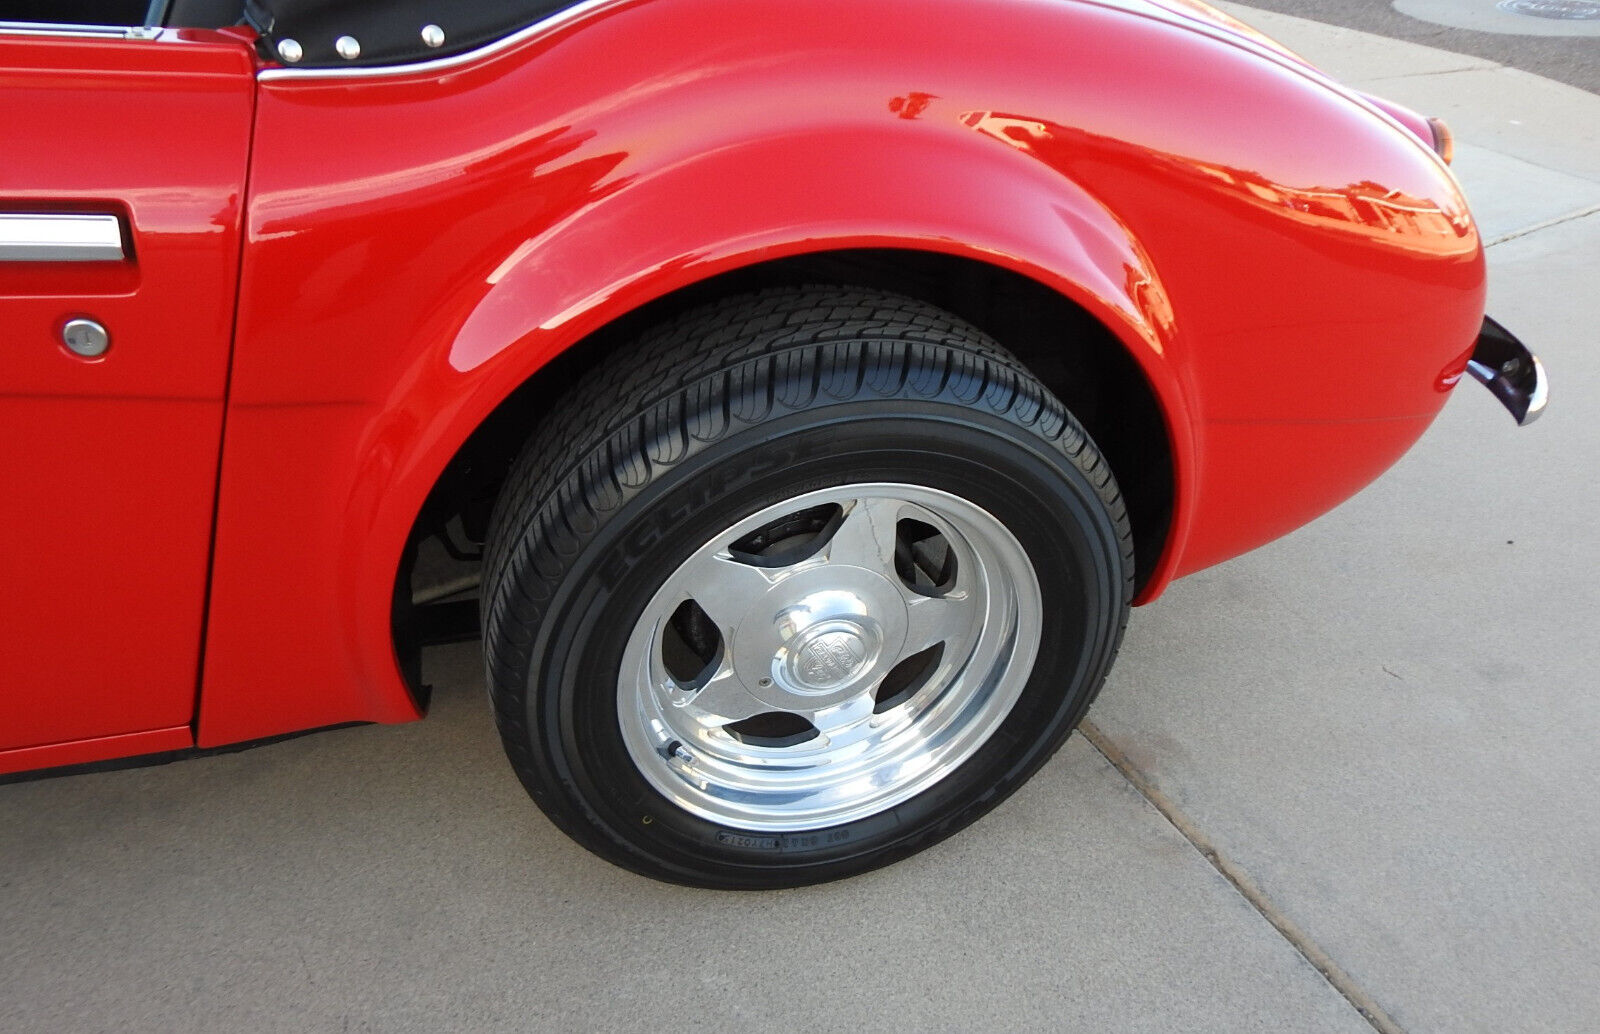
x: 827, y: 656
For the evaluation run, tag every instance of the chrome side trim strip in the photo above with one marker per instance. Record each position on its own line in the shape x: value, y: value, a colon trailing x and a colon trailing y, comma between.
x: 67, y: 29
x: 439, y: 64
x: 66, y: 237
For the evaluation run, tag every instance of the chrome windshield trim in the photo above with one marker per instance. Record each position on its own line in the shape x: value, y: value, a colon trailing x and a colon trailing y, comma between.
x: 91, y: 31
x: 60, y: 237
x: 439, y: 64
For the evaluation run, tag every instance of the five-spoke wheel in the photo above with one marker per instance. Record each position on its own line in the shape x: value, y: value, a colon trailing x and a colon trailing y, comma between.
x: 829, y: 657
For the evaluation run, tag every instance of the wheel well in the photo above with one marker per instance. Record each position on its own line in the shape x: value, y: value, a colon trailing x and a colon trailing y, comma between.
x: 1074, y: 355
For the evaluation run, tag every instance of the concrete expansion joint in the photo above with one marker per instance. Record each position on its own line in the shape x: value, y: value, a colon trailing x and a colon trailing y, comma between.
x: 1486, y: 66
x: 1560, y: 220
x: 1313, y: 953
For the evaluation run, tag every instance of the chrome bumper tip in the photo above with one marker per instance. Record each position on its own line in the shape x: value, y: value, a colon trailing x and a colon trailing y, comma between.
x: 1512, y: 374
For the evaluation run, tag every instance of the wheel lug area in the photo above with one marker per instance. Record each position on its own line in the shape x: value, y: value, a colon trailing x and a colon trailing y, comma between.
x: 820, y: 636
x: 826, y: 645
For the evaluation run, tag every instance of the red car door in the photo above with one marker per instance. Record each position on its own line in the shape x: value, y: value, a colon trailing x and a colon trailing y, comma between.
x: 122, y: 165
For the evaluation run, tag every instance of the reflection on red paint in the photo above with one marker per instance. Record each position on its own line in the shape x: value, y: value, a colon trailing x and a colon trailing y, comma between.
x: 912, y: 105
x: 1383, y: 214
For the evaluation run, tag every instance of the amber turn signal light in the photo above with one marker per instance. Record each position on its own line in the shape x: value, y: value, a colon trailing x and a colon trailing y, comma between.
x: 1444, y: 141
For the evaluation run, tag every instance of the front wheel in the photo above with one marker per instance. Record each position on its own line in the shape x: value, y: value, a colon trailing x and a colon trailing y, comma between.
x: 805, y: 582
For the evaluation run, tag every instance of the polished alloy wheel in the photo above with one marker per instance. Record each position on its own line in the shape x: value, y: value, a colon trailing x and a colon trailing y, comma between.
x: 829, y: 657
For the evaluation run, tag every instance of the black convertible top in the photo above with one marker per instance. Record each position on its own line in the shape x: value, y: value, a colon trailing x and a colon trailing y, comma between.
x: 386, y: 32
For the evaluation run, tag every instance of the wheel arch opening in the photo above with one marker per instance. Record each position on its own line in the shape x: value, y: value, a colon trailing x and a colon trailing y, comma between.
x: 1070, y: 351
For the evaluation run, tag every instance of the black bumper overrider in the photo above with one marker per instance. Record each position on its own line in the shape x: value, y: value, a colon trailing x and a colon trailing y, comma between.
x: 1512, y: 374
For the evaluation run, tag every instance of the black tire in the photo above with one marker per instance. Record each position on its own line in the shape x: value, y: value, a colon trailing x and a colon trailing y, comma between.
x: 708, y: 419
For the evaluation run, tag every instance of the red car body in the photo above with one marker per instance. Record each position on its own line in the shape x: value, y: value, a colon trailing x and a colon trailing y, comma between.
x: 333, y: 279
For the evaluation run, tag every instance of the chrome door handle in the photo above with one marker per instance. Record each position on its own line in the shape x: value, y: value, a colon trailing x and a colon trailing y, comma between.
x: 60, y: 237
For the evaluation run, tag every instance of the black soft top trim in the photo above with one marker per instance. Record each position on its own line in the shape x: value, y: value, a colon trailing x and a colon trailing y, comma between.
x: 390, y: 32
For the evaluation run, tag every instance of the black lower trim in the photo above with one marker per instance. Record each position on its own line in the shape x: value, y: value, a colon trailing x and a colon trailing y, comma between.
x: 163, y: 757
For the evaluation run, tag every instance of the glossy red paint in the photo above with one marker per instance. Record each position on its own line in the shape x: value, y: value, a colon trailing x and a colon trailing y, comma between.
x: 1272, y: 252
x: 1294, y: 272
x: 109, y: 465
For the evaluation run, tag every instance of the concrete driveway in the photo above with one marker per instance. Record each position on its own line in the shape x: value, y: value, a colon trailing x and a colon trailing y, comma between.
x: 1350, y: 781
